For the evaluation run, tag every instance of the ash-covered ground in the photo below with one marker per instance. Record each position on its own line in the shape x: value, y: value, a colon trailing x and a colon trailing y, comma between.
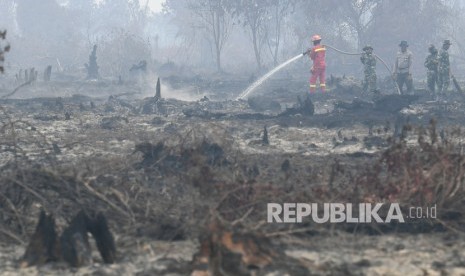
x: 164, y: 170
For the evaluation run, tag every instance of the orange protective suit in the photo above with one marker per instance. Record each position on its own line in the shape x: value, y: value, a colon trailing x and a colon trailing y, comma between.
x: 317, y: 55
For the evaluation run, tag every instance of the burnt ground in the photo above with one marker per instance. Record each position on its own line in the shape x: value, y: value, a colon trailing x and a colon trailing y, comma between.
x: 163, y: 169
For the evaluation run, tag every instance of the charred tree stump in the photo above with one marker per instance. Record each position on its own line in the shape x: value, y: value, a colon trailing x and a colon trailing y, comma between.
x: 59, y: 103
x: 19, y: 76
x: 48, y: 73
x: 33, y: 75
x: 265, y: 140
x: 30, y: 76
x: 43, y: 245
x: 73, y: 246
x: 98, y: 227
x: 158, y: 90
x: 92, y: 67
x: 306, y: 106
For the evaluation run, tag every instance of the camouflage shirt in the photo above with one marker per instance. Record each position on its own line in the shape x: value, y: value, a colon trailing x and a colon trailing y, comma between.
x: 444, y: 60
x: 431, y: 62
x: 369, y: 62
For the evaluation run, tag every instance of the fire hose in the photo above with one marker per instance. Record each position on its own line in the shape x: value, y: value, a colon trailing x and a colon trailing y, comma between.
x: 376, y: 56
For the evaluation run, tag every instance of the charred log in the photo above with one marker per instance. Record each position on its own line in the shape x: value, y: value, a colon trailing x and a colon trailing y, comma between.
x: 304, y: 107
x: 263, y: 104
x: 142, y: 66
x: 394, y: 103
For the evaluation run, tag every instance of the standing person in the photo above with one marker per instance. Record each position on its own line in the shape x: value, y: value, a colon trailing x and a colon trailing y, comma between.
x: 431, y: 64
x: 317, y: 55
x: 402, y: 69
x: 369, y: 68
x: 444, y: 68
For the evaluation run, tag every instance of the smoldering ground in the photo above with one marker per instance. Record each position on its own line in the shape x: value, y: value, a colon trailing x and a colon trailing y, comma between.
x: 165, y: 170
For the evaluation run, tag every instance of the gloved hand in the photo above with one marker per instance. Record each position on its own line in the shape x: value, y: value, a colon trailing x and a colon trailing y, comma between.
x: 312, y: 70
x: 306, y: 52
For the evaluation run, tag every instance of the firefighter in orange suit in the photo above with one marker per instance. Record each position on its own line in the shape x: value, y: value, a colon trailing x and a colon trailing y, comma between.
x: 317, y: 55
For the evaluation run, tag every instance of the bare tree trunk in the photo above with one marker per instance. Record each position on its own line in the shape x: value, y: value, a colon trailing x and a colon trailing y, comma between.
x: 256, y: 48
x: 218, y: 60
x: 278, y: 35
x: 218, y: 45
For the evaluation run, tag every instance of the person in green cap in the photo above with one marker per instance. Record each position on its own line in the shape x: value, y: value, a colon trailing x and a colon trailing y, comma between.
x: 444, y: 68
x: 369, y: 68
x: 431, y: 64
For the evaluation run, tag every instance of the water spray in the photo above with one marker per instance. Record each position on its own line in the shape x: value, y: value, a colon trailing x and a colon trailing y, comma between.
x: 265, y: 77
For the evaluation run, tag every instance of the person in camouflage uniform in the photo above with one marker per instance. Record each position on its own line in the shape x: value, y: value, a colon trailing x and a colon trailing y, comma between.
x: 431, y: 64
x: 444, y: 67
x: 369, y: 66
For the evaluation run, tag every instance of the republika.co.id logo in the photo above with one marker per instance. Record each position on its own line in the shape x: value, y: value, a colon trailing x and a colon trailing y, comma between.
x: 344, y: 212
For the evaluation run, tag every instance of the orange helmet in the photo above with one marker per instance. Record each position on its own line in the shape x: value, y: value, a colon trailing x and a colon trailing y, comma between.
x: 316, y: 37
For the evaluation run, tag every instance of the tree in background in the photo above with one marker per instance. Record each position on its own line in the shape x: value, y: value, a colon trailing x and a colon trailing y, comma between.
x: 4, y: 47
x: 119, y: 50
x: 454, y: 30
x: 358, y: 14
x: 420, y: 22
x: 44, y: 19
x: 92, y: 67
x: 382, y: 23
x: 210, y: 19
x: 253, y: 15
x: 8, y: 15
x: 348, y: 19
x: 278, y: 16
x: 47, y: 34
x: 84, y: 14
x: 191, y: 32
x: 216, y: 21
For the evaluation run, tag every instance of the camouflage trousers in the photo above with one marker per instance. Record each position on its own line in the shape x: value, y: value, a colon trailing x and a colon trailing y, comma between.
x: 443, y: 81
x: 369, y: 84
x: 432, y: 80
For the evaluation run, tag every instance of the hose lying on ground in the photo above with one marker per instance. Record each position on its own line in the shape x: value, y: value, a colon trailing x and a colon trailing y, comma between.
x: 376, y: 56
